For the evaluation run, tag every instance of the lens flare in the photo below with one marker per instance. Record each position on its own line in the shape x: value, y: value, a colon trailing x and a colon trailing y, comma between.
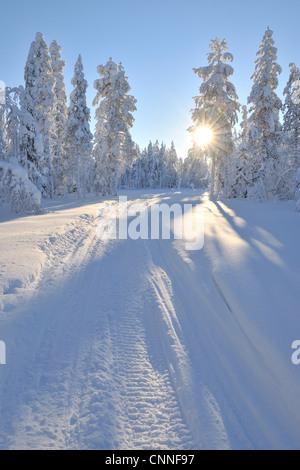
x: 203, y: 136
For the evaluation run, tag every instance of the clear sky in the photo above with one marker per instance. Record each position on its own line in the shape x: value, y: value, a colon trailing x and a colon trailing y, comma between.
x: 159, y: 42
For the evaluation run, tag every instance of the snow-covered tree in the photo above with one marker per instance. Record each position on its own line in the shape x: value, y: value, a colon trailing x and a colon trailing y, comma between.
x: 19, y: 133
x: 297, y: 188
x: 78, y: 135
x: 156, y: 166
x: 30, y: 143
x: 245, y: 127
x: 161, y: 165
x: 30, y: 75
x: 151, y: 165
x: 265, y: 127
x: 240, y: 161
x: 289, y: 155
x: 16, y: 190
x: 44, y: 100
x: 31, y: 154
x: 59, y: 117
x: 137, y: 170
x: 217, y: 107
x: 295, y: 136
x: 12, y: 110
x: 171, y: 170
x: 295, y: 85
x: 291, y: 109
x: 3, y: 144
x: 194, y: 171
x: 114, y: 149
x: 144, y: 183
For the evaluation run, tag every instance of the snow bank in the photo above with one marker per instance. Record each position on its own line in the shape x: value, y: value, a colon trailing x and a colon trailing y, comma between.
x: 16, y: 189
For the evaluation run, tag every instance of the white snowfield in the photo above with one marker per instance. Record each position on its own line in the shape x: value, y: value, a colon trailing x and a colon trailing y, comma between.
x: 128, y: 344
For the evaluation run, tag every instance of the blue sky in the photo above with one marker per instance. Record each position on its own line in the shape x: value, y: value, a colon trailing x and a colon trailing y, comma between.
x: 158, y: 41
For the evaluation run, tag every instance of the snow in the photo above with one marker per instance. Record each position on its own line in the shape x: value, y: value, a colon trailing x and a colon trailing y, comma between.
x: 16, y: 189
x: 140, y: 344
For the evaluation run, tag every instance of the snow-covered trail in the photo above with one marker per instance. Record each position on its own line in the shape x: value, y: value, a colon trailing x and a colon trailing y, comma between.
x: 85, y: 366
x: 137, y: 345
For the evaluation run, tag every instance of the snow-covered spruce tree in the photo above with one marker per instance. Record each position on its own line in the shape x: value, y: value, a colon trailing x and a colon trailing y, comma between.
x: 217, y: 107
x: 291, y: 110
x: 16, y: 190
x: 180, y: 172
x: 244, y: 125
x: 16, y: 130
x: 136, y: 170
x: 163, y: 160
x: 155, y: 168
x: 78, y: 138
x: 59, y: 117
x: 155, y: 155
x: 3, y: 144
x: 12, y: 111
x: 32, y: 144
x: 113, y: 147
x: 241, y: 160
x: 133, y: 176
x: 130, y: 151
x: 44, y: 105
x: 265, y: 127
x: 161, y: 165
x: 295, y: 93
x: 194, y: 171
x: 143, y: 177
x: 151, y: 165
x: 290, y: 148
x: 172, y: 163
x: 30, y: 153
x: 296, y: 176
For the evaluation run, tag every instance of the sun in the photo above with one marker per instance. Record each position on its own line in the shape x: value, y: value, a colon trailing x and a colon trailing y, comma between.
x: 203, y: 136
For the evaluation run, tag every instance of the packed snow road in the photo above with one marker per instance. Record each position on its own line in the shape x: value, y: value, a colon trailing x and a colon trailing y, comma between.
x: 141, y: 344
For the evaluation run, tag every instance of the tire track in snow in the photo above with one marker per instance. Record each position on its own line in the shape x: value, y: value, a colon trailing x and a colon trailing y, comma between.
x: 150, y: 414
x: 198, y: 405
x: 143, y: 403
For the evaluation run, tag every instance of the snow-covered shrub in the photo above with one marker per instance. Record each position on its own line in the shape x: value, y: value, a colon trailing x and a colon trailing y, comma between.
x: 17, y: 190
x: 256, y: 191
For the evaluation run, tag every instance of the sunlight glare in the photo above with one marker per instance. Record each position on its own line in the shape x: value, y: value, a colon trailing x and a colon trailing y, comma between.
x: 203, y: 136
